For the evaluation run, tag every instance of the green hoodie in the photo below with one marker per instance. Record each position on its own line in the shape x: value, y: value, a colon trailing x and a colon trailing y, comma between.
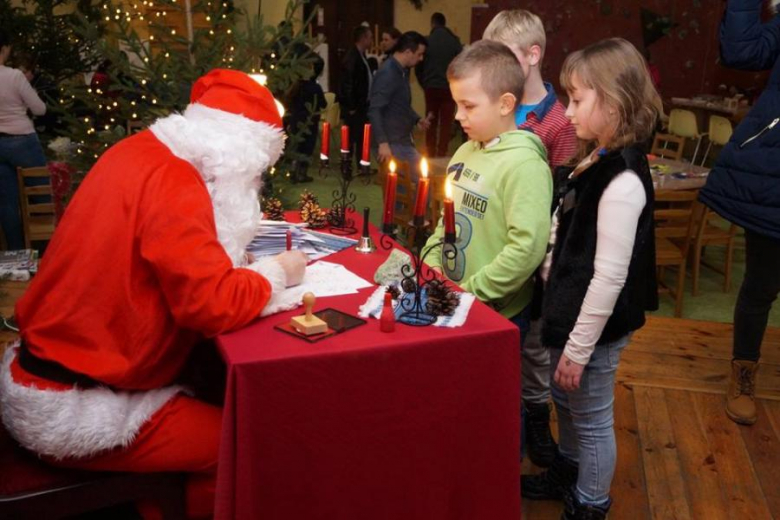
x: 503, y: 195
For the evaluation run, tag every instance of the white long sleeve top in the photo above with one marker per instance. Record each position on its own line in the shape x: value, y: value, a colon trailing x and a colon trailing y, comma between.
x: 16, y: 97
x: 618, y: 217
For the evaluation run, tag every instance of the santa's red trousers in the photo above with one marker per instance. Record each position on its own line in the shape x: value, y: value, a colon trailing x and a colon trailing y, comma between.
x: 181, y: 436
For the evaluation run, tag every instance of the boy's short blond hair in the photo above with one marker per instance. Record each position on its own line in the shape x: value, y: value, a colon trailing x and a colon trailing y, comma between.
x: 517, y: 28
x: 500, y: 71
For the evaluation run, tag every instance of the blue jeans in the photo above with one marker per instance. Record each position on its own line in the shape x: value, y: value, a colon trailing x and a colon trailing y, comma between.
x: 408, y: 153
x: 586, y: 421
x: 18, y: 151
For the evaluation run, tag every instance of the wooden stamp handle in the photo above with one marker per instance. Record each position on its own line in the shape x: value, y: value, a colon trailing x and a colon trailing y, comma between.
x: 308, y: 303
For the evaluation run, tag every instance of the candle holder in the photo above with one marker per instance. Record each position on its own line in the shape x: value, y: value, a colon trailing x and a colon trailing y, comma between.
x: 416, y: 276
x: 324, y: 166
x: 343, y: 200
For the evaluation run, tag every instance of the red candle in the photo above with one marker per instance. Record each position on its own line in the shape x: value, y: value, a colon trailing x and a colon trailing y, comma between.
x: 325, y: 145
x: 366, y: 158
x: 344, y: 139
x: 422, y: 191
x: 289, y: 240
x: 390, y: 186
x: 449, y: 213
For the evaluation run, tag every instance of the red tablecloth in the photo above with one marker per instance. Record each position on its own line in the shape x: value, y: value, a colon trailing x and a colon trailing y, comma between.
x: 423, y: 423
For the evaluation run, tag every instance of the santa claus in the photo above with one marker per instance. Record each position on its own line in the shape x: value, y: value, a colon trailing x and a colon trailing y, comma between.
x: 148, y: 260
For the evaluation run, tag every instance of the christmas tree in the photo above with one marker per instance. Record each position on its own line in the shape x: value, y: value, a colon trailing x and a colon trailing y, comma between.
x: 151, y: 53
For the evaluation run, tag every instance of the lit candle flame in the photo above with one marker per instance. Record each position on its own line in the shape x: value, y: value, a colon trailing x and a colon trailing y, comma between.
x: 392, y: 166
x: 447, y: 190
x: 424, y: 167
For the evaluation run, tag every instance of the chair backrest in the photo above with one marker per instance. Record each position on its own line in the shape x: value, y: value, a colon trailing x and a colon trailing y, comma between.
x: 332, y: 112
x: 720, y: 130
x: 676, y: 215
x: 683, y: 123
x: 36, y: 203
x: 668, y: 146
x: 133, y: 127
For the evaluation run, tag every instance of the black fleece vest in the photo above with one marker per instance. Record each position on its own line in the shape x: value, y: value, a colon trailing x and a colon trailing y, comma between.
x: 575, y: 251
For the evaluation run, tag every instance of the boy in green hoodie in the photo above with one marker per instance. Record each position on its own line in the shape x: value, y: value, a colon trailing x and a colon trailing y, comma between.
x: 501, y: 185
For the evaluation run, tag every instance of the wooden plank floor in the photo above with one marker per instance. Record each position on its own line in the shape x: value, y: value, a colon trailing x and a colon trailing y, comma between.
x: 679, y: 456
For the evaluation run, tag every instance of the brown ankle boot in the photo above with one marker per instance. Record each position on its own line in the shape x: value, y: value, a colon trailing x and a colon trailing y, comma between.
x: 741, y: 398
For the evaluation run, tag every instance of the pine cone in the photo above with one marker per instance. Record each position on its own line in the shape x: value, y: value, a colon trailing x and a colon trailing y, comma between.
x: 394, y: 291
x: 314, y: 215
x: 442, y: 301
x: 408, y: 285
x: 307, y: 197
x: 272, y: 207
x: 336, y: 217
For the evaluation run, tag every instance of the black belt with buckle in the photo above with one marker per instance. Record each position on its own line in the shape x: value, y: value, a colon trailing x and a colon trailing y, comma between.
x: 52, y: 370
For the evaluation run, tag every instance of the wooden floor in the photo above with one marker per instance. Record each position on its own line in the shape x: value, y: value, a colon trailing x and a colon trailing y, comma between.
x: 679, y: 456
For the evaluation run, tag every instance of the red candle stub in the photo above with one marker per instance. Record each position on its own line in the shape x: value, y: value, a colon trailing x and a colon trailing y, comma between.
x: 390, y: 187
x: 289, y: 240
x: 325, y: 145
x: 344, y: 139
x: 366, y: 157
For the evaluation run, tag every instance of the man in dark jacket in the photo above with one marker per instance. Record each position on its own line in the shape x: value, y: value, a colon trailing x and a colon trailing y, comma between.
x: 391, y: 113
x: 356, y: 77
x: 443, y: 46
x: 744, y: 187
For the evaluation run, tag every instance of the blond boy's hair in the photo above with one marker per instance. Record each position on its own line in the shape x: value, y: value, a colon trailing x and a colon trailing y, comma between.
x: 499, y: 69
x: 616, y: 70
x: 517, y: 28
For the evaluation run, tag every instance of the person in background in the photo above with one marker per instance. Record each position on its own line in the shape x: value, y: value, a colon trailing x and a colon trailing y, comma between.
x: 305, y: 100
x: 356, y: 78
x: 392, y: 117
x: 599, y: 272
x: 540, y: 112
x: 19, y: 144
x: 744, y: 188
x: 443, y: 46
x: 390, y: 36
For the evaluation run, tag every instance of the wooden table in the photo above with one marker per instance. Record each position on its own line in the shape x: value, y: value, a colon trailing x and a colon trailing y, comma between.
x: 703, y: 108
x: 697, y: 175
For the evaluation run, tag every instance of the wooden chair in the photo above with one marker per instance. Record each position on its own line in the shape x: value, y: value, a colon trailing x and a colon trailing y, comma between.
x: 661, y: 147
x: 673, y: 232
x: 708, y: 233
x: 37, y: 216
x: 133, y: 127
x: 30, y: 488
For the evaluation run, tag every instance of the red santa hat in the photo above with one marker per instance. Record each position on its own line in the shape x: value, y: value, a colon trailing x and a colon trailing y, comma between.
x: 236, y: 92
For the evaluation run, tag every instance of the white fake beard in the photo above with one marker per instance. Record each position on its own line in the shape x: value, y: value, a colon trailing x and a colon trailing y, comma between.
x: 231, y: 152
x: 773, y: 4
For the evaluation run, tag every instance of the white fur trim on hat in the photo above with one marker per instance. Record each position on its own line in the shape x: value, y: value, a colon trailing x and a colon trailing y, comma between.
x: 74, y: 423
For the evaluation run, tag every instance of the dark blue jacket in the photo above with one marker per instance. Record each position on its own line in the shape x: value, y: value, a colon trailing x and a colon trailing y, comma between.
x: 744, y: 185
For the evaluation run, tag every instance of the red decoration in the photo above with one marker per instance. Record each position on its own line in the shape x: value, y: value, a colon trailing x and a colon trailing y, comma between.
x: 387, y: 318
x: 289, y: 240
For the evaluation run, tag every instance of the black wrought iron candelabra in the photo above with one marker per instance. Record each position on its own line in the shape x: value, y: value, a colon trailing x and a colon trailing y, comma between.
x: 416, y: 277
x: 343, y: 205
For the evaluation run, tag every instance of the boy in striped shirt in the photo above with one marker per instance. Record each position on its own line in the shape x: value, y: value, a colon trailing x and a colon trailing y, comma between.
x: 540, y: 112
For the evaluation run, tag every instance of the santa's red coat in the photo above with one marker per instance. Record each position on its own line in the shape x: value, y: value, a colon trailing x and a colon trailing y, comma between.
x: 134, y: 275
